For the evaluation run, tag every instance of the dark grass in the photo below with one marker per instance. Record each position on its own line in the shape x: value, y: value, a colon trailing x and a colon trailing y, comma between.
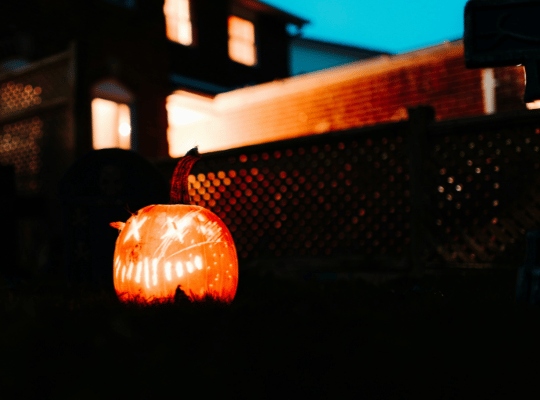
x: 440, y: 337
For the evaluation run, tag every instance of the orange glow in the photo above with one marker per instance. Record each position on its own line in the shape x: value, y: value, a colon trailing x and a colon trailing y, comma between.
x: 111, y: 124
x: 178, y: 21
x: 290, y: 107
x: 242, y: 41
x: 188, y: 115
x: 163, y: 246
x: 533, y: 105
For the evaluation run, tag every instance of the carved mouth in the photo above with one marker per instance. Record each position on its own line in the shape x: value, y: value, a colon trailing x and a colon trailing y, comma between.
x: 202, y: 243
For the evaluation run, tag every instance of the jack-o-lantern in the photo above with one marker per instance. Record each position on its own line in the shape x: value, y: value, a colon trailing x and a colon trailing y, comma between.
x: 164, y: 246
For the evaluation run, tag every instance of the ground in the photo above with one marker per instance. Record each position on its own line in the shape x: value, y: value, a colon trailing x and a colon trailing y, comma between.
x: 440, y: 337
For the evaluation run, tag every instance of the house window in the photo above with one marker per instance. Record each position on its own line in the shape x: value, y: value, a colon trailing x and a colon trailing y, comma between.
x: 111, y: 124
x: 112, y: 108
x: 242, y: 41
x: 178, y: 21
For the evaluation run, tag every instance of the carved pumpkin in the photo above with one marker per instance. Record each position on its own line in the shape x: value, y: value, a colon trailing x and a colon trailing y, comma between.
x: 164, y: 246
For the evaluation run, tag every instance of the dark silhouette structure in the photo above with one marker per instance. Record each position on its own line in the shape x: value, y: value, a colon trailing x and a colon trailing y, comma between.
x: 504, y: 33
x: 103, y: 186
x: 127, y: 43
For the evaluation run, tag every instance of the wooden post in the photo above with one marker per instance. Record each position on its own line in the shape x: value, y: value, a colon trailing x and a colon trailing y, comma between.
x: 9, y: 243
x: 528, y: 274
x: 419, y: 120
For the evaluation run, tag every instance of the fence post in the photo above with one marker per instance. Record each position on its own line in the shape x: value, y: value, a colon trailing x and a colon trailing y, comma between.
x: 9, y: 243
x: 528, y: 274
x: 419, y: 120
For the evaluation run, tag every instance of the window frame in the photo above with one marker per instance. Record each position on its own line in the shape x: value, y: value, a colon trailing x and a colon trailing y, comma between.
x: 238, y: 11
x: 114, y: 91
x: 191, y: 24
x: 254, y: 43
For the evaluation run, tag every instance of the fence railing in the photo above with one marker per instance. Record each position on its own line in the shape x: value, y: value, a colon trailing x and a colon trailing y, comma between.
x: 344, y: 193
x: 35, y: 118
x: 408, y: 195
x: 36, y: 140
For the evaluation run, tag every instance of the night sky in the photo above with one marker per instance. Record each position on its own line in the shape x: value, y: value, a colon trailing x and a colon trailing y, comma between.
x: 395, y: 26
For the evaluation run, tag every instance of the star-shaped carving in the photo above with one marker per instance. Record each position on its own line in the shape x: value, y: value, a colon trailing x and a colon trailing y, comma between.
x: 176, y: 229
x: 134, y: 229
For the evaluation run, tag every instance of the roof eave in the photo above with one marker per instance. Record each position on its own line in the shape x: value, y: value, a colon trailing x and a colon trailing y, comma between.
x: 257, y: 5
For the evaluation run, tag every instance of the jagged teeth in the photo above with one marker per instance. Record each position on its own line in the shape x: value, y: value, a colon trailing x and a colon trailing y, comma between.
x: 142, y: 270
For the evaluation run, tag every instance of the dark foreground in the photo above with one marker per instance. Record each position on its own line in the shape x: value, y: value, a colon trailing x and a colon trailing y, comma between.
x: 449, y: 337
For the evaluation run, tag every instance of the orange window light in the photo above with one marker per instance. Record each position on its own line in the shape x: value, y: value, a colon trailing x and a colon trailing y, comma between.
x: 242, y: 41
x: 111, y: 124
x: 178, y: 21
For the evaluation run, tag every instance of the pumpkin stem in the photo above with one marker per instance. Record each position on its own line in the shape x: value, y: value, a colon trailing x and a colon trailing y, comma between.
x: 179, y: 187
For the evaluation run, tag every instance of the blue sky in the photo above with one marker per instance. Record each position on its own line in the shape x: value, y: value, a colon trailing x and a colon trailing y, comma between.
x: 396, y: 26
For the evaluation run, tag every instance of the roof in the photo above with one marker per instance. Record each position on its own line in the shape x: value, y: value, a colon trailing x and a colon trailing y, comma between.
x: 363, y: 68
x: 351, y: 51
x: 183, y: 82
x: 259, y: 6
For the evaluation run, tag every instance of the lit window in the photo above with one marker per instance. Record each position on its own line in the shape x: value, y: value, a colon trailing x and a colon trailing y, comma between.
x: 111, y: 124
x: 178, y: 21
x: 242, y: 41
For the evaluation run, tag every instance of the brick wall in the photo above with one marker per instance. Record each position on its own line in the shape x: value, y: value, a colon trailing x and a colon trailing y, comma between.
x: 358, y: 94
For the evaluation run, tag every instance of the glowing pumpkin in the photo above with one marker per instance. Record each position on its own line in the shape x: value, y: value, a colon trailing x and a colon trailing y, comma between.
x: 164, y: 246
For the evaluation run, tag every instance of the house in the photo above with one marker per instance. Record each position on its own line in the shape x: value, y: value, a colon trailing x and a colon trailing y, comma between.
x: 310, y: 55
x: 123, y: 58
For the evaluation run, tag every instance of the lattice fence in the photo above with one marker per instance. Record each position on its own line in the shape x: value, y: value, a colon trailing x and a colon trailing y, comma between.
x: 326, y: 195
x: 348, y: 193
x: 484, y: 190
x: 319, y: 199
x: 33, y: 114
